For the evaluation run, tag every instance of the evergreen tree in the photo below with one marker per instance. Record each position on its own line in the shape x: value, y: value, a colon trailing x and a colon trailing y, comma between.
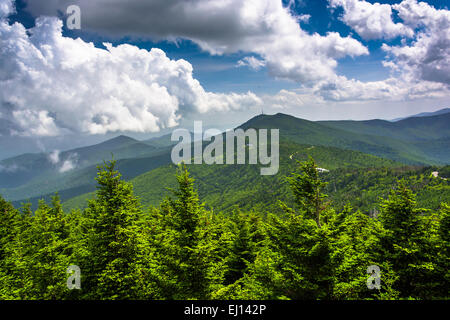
x: 109, y: 269
x: 188, y: 251
x: 47, y: 240
x: 9, y: 218
x: 307, y: 188
x: 38, y: 254
x: 444, y: 252
x: 355, y: 244
x: 9, y: 227
x: 183, y: 251
x: 301, y: 242
x: 405, y: 242
x: 247, y: 236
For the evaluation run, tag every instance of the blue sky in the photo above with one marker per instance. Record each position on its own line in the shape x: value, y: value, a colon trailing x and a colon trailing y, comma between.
x: 340, y: 63
x: 219, y: 72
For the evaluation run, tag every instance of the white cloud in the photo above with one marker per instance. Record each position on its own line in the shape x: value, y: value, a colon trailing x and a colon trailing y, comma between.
x: 35, y: 123
x: 262, y: 27
x: 415, y: 14
x: 53, y: 157
x: 6, y: 8
x: 304, y: 18
x: 428, y: 56
x: 69, y: 164
x: 286, y: 99
x: 251, y: 62
x: 371, y: 20
x: 392, y: 89
x: 50, y: 84
x: 69, y: 85
x: 342, y: 90
x: 9, y: 168
x: 420, y: 65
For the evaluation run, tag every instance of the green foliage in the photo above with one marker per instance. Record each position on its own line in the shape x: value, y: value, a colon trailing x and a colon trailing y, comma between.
x: 315, y: 246
x: 307, y: 189
x: 355, y: 178
x: 444, y: 251
x: 38, y: 256
x: 415, y: 141
x: 186, y: 242
x: 408, y: 243
x: 247, y: 237
x: 112, y: 238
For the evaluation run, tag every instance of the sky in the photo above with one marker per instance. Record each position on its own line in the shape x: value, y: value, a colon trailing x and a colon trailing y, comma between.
x: 145, y: 67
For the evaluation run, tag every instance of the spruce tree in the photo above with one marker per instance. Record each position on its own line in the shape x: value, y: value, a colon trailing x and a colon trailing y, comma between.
x: 188, y: 251
x: 247, y: 238
x: 301, y: 241
x: 9, y: 228
x: 444, y: 252
x: 9, y: 218
x: 109, y: 269
x: 307, y: 188
x: 47, y: 240
x: 38, y: 254
x: 405, y: 242
x: 355, y: 244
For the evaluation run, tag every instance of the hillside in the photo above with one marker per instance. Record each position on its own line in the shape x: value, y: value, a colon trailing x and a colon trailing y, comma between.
x: 224, y: 186
x: 364, y: 136
x: 32, y: 176
x: 353, y: 177
x: 80, y: 181
x: 72, y: 172
x: 425, y: 114
x: 411, y: 129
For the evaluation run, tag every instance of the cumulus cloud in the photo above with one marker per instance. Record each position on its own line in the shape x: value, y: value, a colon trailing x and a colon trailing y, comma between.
x: 6, y: 8
x: 286, y: 99
x: 428, y: 56
x: 420, y: 64
x: 67, y: 84
x: 51, y: 84
x: 371, y: 20
x: 262, y: 27
x: 304, y: 18
x: 343, y: 90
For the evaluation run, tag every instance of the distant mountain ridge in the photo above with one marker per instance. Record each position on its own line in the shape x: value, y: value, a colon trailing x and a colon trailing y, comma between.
x: 408, y: 129
x: 405, y: 141
x: 417, y: 140
x: 424, y: 114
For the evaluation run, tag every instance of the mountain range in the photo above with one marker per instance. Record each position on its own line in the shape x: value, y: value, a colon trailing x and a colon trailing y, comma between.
x: 415, y: 141
x: 425, y: 114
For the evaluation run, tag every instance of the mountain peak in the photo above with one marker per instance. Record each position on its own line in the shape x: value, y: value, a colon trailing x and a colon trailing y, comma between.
x: 123, y: 138
x: 424, y: 114
x: 278, y: 120
x: 120, y: 140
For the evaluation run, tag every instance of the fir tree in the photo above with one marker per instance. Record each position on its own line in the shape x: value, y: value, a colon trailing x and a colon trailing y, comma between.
x: 109, y: 268
x: 444, y: 252
x: 307, y: 188
x: 405, y: 242
x: 187, y: 248
x: 247, y: 236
